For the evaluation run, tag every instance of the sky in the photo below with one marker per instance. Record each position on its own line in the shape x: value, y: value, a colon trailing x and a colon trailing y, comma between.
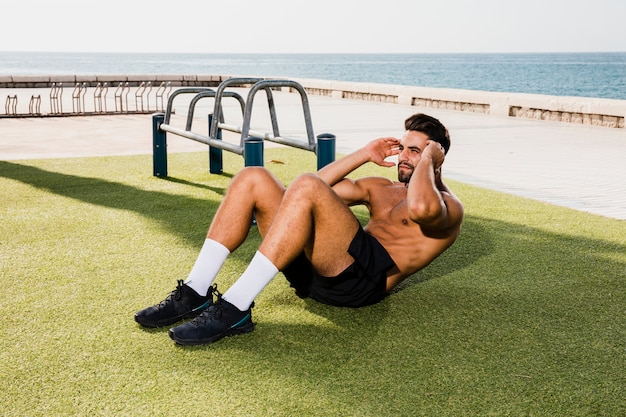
x: 316, y: 26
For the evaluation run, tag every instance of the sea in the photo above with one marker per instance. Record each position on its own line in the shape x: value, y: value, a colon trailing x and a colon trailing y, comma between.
x: 598, y: 75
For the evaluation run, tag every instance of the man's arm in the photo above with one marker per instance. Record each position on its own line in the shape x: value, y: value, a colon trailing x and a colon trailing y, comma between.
x: 334, y: 174
x: 430, y: 202
x: 376, y: 151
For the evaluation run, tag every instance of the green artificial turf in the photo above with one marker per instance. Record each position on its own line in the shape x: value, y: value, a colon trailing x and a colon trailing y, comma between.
x: 524, y: 316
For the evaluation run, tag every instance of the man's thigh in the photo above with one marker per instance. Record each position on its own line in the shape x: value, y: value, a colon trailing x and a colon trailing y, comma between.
x: 335, y: 225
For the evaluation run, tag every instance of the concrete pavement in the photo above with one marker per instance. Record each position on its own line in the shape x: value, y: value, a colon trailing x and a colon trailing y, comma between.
x: 576, y: 166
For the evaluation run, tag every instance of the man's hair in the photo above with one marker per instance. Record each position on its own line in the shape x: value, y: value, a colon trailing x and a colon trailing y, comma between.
x: 430, y: 126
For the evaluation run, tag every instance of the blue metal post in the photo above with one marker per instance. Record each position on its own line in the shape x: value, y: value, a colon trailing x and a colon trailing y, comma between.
x: 253, y: 152
x: 253, y: 157
x: 159, y: 146
x: 325, y: 149
x: 215, y: 154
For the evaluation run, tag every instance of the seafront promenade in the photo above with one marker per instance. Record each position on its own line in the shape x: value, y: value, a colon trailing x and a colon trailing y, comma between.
x: 580, y: 166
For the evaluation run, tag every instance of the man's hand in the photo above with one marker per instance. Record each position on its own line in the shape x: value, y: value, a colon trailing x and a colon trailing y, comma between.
x: 380, y: 149
x: 376, y: 151
x: 436, y: 153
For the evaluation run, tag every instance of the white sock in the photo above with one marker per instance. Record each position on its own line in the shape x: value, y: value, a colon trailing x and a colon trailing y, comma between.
x: 210, y: 260
x: 256, y: 277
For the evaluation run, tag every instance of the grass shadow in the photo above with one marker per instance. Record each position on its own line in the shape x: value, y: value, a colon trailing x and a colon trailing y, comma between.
x: 180, y: 214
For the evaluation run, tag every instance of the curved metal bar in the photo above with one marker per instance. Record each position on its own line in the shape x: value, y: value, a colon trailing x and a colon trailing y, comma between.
x: 139, y: 95
x: 187, y: 90
x: 148, y: 91
x: 56, y: 92
x: 76, y: 98
x: 163, y: 88
x: 192, y: 106
x: 118, y: 97
x: 11, y: 105
x: 125, y: 91
x: 267, y: 84
x: 83, y: 93
x: 97, y: 99
x: 209, y: 94
x: 34, y: 105
x: 217, y: 110
x: 105, y: 90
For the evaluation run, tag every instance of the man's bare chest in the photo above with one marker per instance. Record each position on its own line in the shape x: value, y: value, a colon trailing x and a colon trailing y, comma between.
x: 390, y: 205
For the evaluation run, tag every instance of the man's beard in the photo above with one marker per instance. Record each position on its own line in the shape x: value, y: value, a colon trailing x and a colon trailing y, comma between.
x: 405, y: 177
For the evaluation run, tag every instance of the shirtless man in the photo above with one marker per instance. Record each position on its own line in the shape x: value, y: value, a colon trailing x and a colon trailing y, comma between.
x: 311, y: 235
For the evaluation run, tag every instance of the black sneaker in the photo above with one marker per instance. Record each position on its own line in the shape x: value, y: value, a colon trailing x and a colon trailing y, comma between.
x: 221, y: 319
x: 182, y: 303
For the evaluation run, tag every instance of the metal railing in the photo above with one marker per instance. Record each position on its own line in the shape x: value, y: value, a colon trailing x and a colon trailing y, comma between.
x: 34, y: 107
x: 147, y: 101
x: 100, y: 98
x: 56, y: 98
x: 10, y: 106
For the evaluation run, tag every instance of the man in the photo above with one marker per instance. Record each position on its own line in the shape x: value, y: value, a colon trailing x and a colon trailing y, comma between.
x: 311, y: 235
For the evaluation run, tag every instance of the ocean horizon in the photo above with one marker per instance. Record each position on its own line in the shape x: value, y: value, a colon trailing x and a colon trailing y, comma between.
x: 596, y: 75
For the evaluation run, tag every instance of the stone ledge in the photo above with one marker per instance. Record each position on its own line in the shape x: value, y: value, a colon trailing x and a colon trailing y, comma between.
x: 133, y: 80
x: 579, y: 110
x: 590, y: 119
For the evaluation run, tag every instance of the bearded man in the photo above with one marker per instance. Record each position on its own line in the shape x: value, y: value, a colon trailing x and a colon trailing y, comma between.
x: 310, y: 234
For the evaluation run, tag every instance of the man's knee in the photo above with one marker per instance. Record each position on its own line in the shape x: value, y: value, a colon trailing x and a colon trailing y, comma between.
x: 257, y: 184
x: 254, y: 172
x: 307, y: 181
x: 307, y: 187
x: 253, y: 176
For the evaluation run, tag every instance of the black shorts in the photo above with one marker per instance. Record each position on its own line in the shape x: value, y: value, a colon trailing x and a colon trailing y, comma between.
x: 362, y: 283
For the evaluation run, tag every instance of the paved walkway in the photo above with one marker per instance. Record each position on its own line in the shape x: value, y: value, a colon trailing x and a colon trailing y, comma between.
x: 580, y: 167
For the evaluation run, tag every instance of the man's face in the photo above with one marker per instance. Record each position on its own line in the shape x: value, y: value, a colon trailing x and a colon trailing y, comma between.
x: 412, y: 144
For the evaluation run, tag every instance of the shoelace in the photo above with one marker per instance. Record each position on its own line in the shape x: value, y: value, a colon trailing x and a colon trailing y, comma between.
x: 174, y: 295
x: 214, y: 311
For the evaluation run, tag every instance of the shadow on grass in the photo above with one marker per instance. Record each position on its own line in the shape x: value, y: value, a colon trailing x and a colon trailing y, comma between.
x: 195, y: 184
x: 181, y: 215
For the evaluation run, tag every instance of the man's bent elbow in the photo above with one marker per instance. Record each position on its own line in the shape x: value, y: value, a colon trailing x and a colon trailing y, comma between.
x: 426, y: 213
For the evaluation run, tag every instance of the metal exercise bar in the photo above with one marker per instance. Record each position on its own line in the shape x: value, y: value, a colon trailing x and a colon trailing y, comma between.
x: 159, y: 144
x: 176, y: 93
x: 267, y: 85
x: 251, y: 143
x: 217, y: 109
x: 215, y: 143
x: 215, y: 152
x: 211, y: 94
x: 202, y: 139
x: 162, y: 124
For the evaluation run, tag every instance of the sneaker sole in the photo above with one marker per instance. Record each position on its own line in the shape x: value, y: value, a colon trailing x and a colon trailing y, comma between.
x: 246, y: 328
x: 156, y: 324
